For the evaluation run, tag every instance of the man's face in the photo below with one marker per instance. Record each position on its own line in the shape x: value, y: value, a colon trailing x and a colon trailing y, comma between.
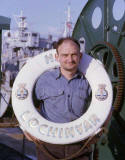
x: 68, y: 55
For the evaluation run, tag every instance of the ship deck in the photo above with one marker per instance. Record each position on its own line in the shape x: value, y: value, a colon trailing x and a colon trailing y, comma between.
x: 14, y: 145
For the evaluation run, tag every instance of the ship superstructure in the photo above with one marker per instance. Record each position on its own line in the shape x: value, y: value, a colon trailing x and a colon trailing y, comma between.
x: 20, y: 43
x: 19, y: 46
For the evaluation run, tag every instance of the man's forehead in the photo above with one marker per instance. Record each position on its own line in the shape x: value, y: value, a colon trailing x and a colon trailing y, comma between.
x: 68, y: 44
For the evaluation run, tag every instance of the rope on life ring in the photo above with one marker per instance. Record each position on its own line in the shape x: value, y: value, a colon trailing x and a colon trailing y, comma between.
x: 91, y: 140
x: 82, y: 128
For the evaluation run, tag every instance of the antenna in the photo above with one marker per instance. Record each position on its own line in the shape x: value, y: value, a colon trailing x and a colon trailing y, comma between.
x: 21, y: 21
x: 68, y: 23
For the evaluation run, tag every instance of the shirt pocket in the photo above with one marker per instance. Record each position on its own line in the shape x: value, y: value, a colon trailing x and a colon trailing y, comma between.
x: 79, y: 102
x: 81, y: 94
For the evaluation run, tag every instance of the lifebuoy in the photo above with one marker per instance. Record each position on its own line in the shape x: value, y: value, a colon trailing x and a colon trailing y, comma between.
x: 5, y: 94
x: 61, y: 133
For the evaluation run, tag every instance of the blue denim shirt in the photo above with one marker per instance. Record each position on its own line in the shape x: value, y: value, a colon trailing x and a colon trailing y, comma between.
x: 62, y: 100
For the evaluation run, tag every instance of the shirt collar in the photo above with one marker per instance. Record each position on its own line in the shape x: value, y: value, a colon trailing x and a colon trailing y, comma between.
x: 58, y: 73
x: 78, y: 75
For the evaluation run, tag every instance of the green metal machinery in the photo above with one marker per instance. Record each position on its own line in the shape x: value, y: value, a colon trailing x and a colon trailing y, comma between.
x: 101, y: 25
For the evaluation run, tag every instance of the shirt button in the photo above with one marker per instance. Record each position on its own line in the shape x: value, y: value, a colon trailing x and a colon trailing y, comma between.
x: 60, y: 91
x: 68, y: 95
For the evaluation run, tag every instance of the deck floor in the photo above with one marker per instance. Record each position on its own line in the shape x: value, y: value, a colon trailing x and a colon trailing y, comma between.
x: 14, y: 144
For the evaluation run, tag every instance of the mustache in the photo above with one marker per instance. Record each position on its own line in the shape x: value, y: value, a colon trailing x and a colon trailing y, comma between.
x: 73, y: 62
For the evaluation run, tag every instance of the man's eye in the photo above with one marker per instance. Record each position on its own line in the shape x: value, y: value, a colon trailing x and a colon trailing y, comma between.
x: 74, y: 54
x: 65, y: 55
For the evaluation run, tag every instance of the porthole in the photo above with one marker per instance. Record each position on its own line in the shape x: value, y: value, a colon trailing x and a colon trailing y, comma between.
x: 96, y: 17
x: 118, y: 9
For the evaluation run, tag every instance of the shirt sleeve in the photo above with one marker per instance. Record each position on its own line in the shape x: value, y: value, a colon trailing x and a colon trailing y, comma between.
x: 89, y: 90
x: 39, y: 88
x: 89, y: 96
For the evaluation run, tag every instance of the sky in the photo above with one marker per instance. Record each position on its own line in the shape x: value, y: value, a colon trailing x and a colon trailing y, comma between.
x: 43, y: 16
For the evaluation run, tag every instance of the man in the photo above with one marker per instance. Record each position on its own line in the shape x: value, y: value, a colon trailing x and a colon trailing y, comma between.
x: 63, y: 93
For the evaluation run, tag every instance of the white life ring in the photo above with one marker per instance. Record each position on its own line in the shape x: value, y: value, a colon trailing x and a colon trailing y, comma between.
x: 5, y: 98
x: 5, y: 94
x: 61, y: 133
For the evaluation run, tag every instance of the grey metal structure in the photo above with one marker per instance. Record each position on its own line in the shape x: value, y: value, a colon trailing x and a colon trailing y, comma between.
x: 4, y: 25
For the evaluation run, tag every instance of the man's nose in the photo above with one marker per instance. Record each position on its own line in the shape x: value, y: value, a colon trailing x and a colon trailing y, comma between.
x: 70, y: 58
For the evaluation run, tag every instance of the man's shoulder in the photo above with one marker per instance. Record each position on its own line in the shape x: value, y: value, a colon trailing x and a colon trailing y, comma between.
x: 48, y: 74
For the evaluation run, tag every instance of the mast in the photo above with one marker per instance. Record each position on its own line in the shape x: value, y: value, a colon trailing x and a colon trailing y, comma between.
x: 21, y: 22
x: 68, y: 24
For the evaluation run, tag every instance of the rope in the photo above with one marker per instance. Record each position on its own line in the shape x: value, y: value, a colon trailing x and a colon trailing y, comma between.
x: 4, y: 99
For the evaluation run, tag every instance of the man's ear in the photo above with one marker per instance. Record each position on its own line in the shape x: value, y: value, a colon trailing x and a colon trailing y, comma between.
x: 57, y: 57
x: 81, y: 54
